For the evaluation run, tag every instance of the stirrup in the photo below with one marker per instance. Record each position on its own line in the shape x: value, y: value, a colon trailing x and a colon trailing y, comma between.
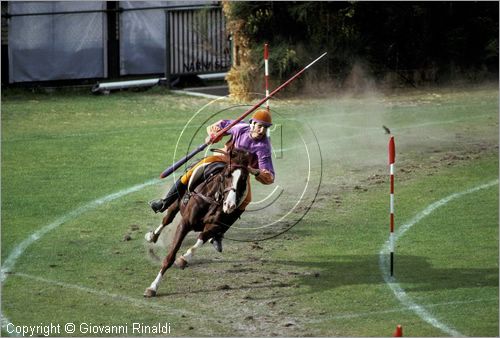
x: 177, y: 190
x: 156, y: 206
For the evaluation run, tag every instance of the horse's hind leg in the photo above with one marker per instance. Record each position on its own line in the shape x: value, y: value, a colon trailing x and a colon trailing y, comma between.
x: 152, y: 236
x: 180, y: 233
x: 183, y: 260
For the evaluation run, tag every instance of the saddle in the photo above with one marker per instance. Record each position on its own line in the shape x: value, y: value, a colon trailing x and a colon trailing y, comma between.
x: 204, y: 172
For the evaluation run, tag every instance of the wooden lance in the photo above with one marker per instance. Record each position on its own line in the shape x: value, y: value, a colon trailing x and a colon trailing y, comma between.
x: 216, y: 136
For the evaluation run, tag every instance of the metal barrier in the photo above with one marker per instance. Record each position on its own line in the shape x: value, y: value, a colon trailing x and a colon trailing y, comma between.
x: 197, y: 42
x: 121, y: 55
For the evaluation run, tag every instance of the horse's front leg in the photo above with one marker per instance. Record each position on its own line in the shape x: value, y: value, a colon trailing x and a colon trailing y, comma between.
x: 183, y: 260
x: 180, y: 234
x: 152, y: 236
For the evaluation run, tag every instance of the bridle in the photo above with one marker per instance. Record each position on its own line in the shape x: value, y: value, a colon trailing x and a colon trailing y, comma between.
x: 231, y: 169
x: 221, y: 192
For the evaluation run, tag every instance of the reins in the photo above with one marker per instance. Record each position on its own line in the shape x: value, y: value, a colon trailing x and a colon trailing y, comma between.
x: 219, y: 194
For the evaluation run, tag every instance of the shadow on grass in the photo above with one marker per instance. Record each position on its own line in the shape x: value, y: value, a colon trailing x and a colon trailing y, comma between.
x: 308, y: 277
x: 414, y: 271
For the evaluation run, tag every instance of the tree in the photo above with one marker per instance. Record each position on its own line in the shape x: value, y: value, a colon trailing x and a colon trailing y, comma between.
x: 420, y: 41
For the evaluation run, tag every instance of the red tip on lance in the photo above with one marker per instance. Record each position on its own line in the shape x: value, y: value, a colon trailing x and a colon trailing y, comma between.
x: 392, y: 151
x: 266, y: 51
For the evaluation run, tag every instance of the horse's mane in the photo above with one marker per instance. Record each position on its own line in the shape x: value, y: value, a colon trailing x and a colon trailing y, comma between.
x: 239, y: 157
x: 234, y: 156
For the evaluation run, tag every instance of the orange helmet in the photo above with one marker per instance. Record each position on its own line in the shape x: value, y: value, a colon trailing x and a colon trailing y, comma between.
x: 262, y: 116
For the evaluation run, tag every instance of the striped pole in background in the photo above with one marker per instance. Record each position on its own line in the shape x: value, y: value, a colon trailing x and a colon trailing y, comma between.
x: 392, y: 159
x: 266, y: 72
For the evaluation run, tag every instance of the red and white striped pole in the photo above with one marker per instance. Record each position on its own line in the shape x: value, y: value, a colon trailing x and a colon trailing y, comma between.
x: 392, y: 159
x: 266, y: 72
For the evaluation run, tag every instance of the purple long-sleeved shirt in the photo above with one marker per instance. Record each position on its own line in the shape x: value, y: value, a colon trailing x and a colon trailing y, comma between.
x: 260, y: 149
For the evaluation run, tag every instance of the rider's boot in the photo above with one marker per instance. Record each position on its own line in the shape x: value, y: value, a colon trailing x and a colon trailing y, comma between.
x: 177, y: 190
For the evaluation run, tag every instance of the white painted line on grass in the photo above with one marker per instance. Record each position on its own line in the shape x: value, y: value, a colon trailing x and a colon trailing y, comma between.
x: 19, y: 249
x: 398, y: 291
x: 134, y: 301
x: 399, y: 310
x: 207, y: 96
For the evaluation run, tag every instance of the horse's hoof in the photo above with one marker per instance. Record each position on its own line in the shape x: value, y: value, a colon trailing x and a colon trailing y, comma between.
x: 181, y: 263
x: 150, y: 237
x: 149, y: 293
x: 217, y: 244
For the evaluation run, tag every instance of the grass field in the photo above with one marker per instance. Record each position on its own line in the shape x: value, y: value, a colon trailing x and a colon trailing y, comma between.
x: 78, y: 170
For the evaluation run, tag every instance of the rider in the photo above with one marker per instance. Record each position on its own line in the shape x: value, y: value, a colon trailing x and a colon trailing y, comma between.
x: 250, y: 137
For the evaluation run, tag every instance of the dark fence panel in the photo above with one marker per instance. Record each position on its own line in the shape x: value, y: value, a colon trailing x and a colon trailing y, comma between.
x: 63, y: 42
x: 56, y: 46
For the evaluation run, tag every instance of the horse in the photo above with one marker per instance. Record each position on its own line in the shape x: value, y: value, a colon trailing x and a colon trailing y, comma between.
x: 210, y: 208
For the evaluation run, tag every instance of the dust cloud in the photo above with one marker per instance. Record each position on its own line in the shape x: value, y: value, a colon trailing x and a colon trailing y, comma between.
x: 322, y: 144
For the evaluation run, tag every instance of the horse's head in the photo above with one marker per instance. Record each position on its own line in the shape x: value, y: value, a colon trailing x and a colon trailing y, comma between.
x: 235, y: 178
